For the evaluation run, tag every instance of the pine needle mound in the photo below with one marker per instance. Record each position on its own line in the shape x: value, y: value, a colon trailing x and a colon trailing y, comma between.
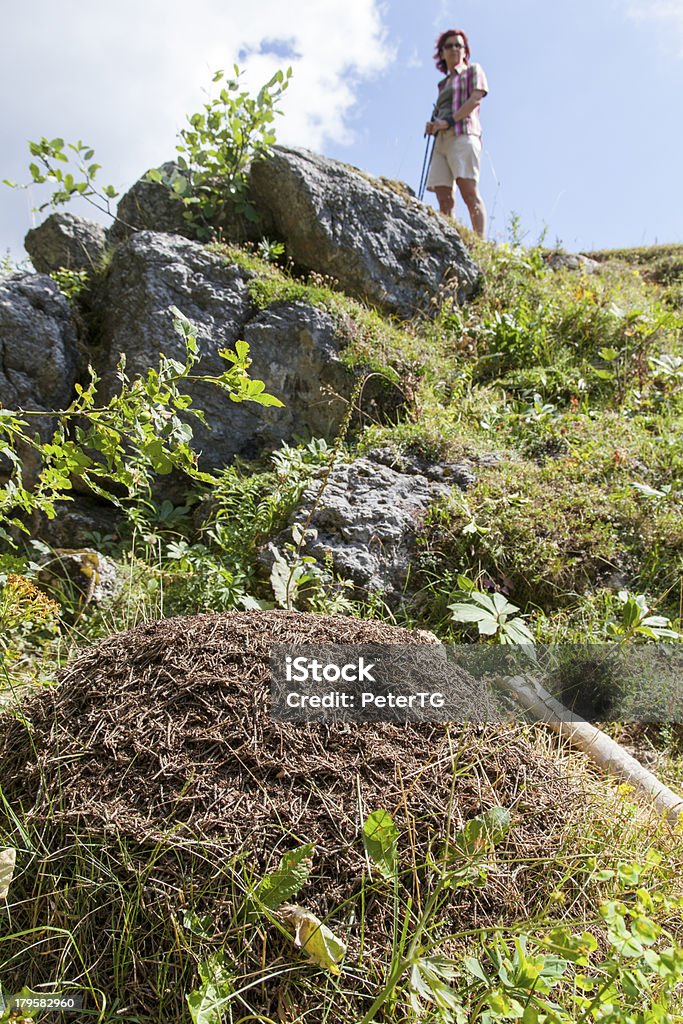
x: 169, y: 725
x: 161, y: 739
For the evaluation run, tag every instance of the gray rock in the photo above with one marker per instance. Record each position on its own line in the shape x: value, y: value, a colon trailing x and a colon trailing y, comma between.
x: 571, y: 261
x: 451, y: 473
x: 38, y: 348
x: 152, y: 206
x: 367, y: 522
x: 77, y: 521
x: 294, y: 347
x: 82, y: 576
x: 381, y: 245
x: 149, y: 206
x: 38, y: 358
x: 65, y: 240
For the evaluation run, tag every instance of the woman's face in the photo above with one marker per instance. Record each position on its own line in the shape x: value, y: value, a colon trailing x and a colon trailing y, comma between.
x: 453, y: 51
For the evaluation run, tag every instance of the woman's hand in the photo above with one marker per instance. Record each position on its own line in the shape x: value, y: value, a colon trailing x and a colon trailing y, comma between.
x: 432, y: 127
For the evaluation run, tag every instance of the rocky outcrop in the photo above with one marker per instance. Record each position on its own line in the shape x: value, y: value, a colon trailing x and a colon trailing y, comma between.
x: 149, y: 206
x: 377, y: 240
x: 65, y: 240
x: 38, y: 356
x: 38, y: 352
x: 371, y: 235
x: 369, y: 515
x: 295, y: 348
x: 380, y: 245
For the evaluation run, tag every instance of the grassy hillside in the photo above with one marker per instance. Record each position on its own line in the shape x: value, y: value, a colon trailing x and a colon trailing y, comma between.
x: 562, y: 392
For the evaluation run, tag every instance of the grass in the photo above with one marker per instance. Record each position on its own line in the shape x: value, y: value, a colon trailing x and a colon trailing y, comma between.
x: 129, y: 923
x: 563, y: 392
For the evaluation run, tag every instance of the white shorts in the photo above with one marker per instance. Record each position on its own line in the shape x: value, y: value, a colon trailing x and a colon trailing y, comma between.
x: 454, y: 156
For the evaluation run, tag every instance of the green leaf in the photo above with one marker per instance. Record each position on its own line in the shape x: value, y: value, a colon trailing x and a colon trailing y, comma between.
x: 468, y: 612
x: 497, y: 823
x: 516, y: 631
x: 282, y: 579
x: 646, y: 930
x: 265, y: 399
x: 206, y: 1003
x: 242, y: 350
x: 291, y: 875
x: 380, y: 838
x: 202, y: 926
x: 479, y: 834
x: 474, y: 967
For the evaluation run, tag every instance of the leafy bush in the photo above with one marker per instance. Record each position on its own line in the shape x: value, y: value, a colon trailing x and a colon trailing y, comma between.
x: 119, y: 447
x: 217, y: 148
x: 76, y: 179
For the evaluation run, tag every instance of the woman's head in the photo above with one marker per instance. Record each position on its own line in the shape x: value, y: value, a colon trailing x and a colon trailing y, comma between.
x: 445, y: 40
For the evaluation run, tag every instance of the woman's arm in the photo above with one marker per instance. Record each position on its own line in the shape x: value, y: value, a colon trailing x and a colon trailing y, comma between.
x: 469, y: 105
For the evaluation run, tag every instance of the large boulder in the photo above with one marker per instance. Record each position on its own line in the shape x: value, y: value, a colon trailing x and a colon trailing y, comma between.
x: 38, y: 355
x: 295, y: 347
x: 369, y: 514
x: 65, y: 240
x: 381, y: 245
x: 38, y: 348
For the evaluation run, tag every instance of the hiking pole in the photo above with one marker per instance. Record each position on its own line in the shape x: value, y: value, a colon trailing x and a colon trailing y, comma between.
x: 426, y: 164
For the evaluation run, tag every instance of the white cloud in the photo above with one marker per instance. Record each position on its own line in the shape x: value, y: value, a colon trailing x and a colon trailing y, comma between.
x: 124, y: 81
x: 669, y: 12
x: 156, y: 55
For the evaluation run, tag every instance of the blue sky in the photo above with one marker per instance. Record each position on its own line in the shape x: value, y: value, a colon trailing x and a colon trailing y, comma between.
x: 582, y: 134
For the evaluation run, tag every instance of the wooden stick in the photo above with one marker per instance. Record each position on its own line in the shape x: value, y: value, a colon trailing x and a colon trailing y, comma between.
x: 605, y: 751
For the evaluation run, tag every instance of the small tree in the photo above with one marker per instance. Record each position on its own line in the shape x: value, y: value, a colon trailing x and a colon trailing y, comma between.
x: 70, y: 168
x: 216, y: 151
x: 217, y: 148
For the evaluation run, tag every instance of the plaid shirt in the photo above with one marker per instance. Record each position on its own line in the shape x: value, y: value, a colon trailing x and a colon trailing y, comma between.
x: 464, y: 83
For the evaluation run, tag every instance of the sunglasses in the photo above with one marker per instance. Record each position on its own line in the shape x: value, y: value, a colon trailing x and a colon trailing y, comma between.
x: 453, y: 46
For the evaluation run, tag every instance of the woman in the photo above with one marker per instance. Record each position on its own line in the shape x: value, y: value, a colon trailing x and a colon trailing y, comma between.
x: 455, y: 123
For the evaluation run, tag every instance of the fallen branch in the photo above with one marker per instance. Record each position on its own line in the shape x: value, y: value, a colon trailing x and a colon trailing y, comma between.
x: 603, y: 750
